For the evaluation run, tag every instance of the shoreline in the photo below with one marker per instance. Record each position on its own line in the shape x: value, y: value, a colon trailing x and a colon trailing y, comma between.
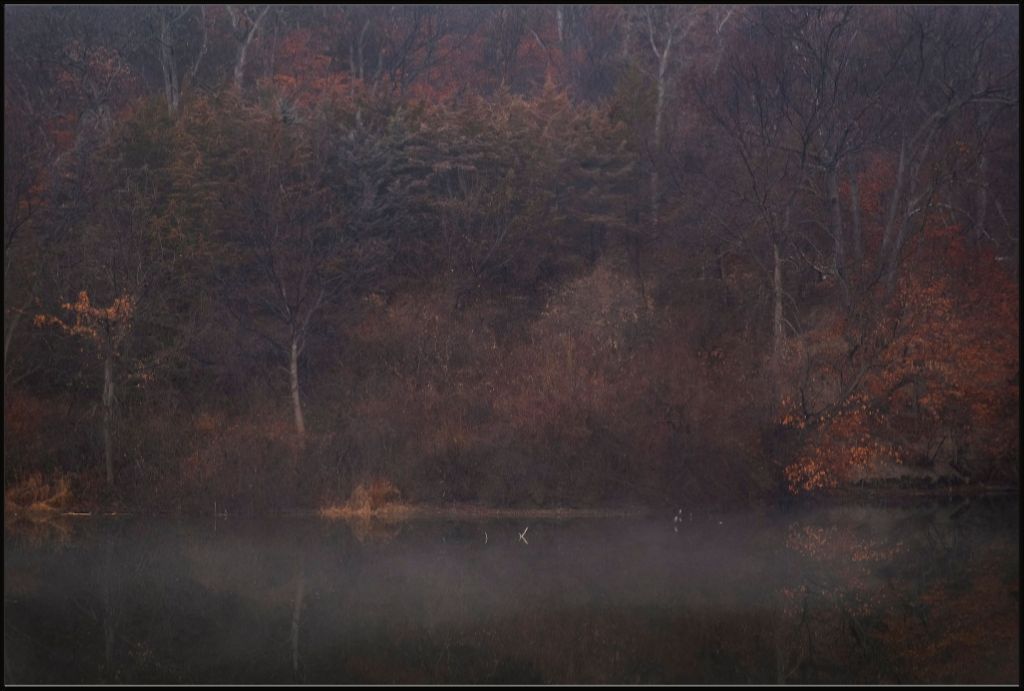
x: 469, y: 512
x: 473, y: 512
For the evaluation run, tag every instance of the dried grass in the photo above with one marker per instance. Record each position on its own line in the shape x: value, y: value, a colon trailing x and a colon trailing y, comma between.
x: 379, y: 499
x: 35, y: 494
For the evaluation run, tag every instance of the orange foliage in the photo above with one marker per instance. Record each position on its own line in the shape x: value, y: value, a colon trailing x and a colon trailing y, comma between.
x: 945, y: 380
x: 94, y: 323
x: 36, y: 493
x: 303, y: 74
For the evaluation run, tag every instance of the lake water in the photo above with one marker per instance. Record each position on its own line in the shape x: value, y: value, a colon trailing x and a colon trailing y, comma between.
x: 926, y: 592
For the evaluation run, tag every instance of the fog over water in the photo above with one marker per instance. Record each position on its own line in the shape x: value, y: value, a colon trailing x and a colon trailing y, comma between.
x: 854, y: 593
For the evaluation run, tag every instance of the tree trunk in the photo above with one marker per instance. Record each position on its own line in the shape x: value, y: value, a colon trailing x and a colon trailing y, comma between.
x: 658, y: 117
x: 979, y: 224
x: 637, y: 243
x: 172, y: 90
x: 777, y: 319
x: 194, y: 70
x: 108, y: 415
x: 892, y: 260
x: 838, y: 240
x: 858, y: 238
x: 293, y: 370
x: 244, y: 48
x: 894, y: 202
x: 775, y: 369
x: 9, y: 326
x: 907, y: 180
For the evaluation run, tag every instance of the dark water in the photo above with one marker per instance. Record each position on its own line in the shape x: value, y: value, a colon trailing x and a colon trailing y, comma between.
x: 919, y: 593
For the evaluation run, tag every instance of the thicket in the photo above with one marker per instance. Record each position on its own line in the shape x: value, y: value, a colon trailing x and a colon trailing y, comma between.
x: 515, y: 256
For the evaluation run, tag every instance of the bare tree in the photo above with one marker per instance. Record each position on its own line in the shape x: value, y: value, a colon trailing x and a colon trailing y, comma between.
x: 770, y: 155
x: 944, y: 72
x: 245, y: 22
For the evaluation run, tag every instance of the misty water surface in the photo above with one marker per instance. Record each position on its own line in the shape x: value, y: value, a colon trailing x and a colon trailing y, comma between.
x: 852, y: 593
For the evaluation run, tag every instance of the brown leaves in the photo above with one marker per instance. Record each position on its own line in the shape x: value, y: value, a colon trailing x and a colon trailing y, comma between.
x: 943, y: 371
x: 94, y: 324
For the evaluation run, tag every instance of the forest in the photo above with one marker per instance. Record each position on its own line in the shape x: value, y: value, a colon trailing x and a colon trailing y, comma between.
x: 516, y: 256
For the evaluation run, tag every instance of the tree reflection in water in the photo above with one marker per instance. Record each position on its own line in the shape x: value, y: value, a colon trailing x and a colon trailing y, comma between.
x: 846, y: 594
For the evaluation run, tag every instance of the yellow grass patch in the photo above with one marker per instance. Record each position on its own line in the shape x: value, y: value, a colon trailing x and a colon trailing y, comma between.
x: 380, y: 499
x: 36, y: 495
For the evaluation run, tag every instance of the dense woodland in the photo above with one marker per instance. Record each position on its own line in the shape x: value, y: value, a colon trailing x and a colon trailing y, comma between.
x: 558, y: 255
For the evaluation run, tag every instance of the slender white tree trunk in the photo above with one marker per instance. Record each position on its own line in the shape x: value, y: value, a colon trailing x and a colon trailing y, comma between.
x: 172, y: 90
x: 658, y: 118
x: 244, y: 48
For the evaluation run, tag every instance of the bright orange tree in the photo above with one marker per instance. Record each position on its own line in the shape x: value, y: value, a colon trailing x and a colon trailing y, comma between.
x: 935, y: 382
x: 106, y: 328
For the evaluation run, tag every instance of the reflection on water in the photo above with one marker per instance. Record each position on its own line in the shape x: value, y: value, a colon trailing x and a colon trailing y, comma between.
x: 855, y: 594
